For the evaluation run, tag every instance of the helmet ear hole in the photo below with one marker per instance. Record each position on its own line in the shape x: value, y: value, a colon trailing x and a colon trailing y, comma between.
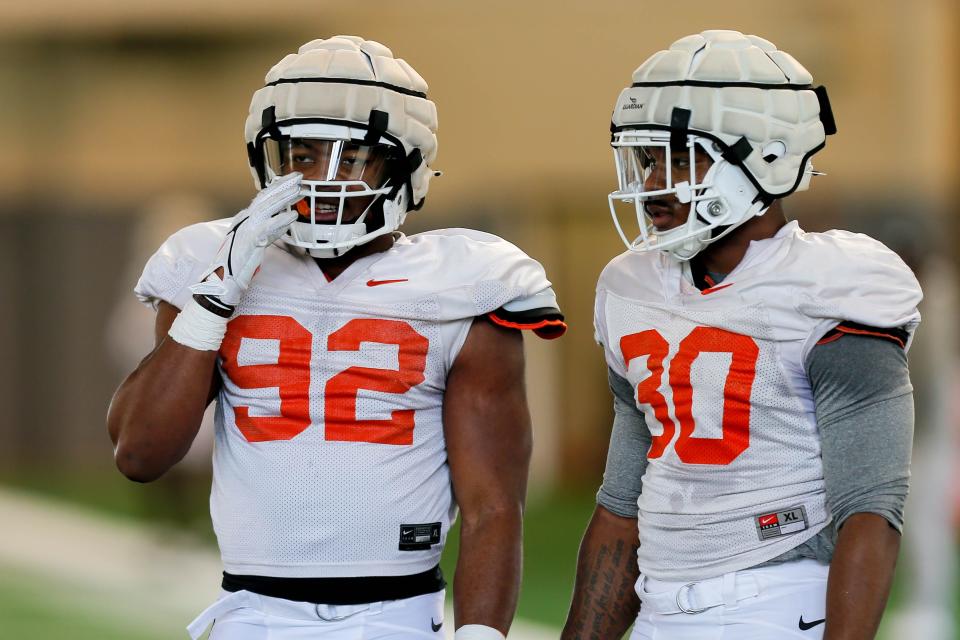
x: 773, y: 151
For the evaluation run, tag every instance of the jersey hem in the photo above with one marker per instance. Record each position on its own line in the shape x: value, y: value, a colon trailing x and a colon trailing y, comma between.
x: 352, y: 570
x: 770, y: 553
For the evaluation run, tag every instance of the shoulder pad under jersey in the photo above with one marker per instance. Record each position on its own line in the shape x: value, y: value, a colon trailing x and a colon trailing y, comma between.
x: 477, y: 273
x: 854, y: 278
x: 635, y: 275
x: 179, y: 262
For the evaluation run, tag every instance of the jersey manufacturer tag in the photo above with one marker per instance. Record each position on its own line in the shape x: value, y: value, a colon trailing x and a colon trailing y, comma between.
x: 781, y: 523
x: 419, y: 537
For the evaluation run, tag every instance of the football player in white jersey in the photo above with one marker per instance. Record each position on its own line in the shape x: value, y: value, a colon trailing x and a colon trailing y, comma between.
x: 368, y: 383
x: 763, y: 407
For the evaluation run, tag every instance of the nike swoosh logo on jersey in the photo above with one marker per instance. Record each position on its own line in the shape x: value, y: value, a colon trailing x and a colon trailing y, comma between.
x: 435, y: 625
x: 718, y: 287
x: 377, y: 283
x: 768, y: 519
x: 808, y: 625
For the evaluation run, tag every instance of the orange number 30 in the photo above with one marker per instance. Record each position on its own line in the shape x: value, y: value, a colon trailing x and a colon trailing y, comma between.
x: 736, y: 391
x: 291, y: 376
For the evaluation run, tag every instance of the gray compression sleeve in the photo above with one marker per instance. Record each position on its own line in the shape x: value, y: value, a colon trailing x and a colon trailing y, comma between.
x: 627, y: 455
x: 864, y: 406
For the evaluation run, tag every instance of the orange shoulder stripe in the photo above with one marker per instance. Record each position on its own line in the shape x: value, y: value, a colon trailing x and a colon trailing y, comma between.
x: 546, y: 329
x: 877, y: 334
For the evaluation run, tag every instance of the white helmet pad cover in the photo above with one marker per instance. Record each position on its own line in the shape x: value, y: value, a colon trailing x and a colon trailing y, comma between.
x: 305, y: 85
x: 735, y: 88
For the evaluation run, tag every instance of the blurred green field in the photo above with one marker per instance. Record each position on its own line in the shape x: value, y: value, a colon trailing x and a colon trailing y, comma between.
x: 35, y: 608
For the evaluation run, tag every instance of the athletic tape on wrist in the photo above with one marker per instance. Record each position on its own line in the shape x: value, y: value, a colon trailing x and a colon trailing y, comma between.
x: 478, y: 632
x: 198, y: 328
x: 214, y: 305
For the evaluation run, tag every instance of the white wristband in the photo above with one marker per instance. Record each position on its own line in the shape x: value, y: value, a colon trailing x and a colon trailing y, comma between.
x: 198, y: 328
x: 478, y: 632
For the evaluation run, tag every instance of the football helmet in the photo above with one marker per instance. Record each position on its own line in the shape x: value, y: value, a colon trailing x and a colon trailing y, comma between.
x: 721, y: 121
x: 356, y: 122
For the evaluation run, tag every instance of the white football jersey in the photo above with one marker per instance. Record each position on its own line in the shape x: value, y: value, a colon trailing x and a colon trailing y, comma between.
x: 330, y: 458
x: 734, y: 476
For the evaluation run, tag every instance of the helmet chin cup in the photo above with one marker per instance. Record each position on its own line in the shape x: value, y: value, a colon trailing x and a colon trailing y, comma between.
x: 687, y: 249
x: 340, y: 238
x: 335, y: 240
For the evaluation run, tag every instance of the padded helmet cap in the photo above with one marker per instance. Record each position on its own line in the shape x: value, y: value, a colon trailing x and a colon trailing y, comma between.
x: 351, y: 81
x: 755, y: 101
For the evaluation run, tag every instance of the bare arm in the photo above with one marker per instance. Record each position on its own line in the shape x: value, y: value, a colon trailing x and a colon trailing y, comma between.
x: 604, y: 602
x: 488, y: 435
x: 156, y: 412
x: 860, y: 577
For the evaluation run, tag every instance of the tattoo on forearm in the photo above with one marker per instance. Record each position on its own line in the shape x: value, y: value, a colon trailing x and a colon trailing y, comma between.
x: 607, y: 602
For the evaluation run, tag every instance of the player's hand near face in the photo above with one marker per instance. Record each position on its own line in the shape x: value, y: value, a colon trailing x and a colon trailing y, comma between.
x: 156, y: 413
x: 251, y: 232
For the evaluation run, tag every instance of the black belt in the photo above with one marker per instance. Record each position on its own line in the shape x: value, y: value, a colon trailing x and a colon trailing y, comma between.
x: 339, y: 590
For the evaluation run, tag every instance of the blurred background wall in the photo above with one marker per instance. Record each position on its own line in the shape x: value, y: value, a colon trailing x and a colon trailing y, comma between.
x: 121, y: 122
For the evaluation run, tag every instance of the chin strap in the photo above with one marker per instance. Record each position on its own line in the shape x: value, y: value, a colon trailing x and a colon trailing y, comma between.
x: 394, y: 213
x: 351, y: 231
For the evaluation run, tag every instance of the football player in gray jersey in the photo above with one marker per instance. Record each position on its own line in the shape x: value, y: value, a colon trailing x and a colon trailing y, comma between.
x: 759, y: 459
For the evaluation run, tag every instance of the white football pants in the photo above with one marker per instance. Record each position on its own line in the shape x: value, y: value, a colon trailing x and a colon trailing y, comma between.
x: 249, y: 616
x: 783, y: 601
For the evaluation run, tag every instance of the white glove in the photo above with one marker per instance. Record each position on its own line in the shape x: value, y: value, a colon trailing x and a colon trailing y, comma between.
x: 251, y: 232
x: 203, y: 322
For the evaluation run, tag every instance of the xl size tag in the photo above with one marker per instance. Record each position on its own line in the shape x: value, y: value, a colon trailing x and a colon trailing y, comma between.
x: 419, y: 537
x: 781, y: 523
